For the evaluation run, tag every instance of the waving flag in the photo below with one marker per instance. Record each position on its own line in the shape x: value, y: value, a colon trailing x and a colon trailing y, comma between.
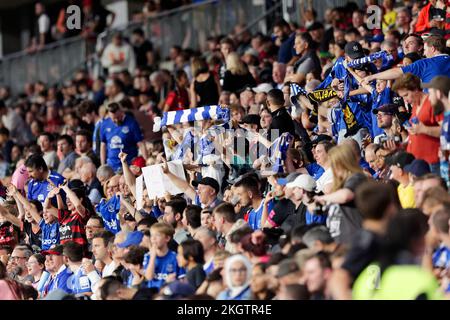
x: 277, y: 151
x: 295, y: 91
x: 190, y: 115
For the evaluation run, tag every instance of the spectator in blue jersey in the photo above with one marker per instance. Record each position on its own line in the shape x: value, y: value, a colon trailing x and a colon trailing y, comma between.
x: 173, y: 215
x: 439, y: 223
x: 250, y: 196
x: 208, y: 239
x: 80, y: 282
x: 120, y: 132
x: 439, y: 89
x: 191, y: 257
x: 237, y: 274
x: 160, y: 264
x: 59, y: 273
x: 41, y: 178
x: 48, y: 224
x: 66, y: 147
x: 109, y: 207
x: 436, y: 63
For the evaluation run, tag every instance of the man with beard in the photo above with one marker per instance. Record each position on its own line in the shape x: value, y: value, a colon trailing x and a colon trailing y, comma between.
x: 18, y: 263
x: 439, y: 90
x: 173, y: 214
x: 120, y: 132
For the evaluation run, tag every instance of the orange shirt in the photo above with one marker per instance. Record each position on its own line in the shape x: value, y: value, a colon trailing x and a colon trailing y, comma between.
x: 423, y: 146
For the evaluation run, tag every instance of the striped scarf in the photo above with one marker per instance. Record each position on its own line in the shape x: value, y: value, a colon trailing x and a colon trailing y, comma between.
x: 370, y: 58
x: 191, y: 115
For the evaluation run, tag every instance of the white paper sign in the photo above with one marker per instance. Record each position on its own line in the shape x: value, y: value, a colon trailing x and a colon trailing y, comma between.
x: 139, y: 192
x: 157, y: 183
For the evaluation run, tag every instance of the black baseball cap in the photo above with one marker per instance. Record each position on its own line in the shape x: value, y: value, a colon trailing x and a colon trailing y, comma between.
x: 418, y: 167
x: 354, y: 50
x: 400, y: 159
x: 207, y: 181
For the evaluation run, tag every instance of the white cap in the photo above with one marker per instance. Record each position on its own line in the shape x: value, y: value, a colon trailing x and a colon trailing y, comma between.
x: 263, y: 87
x: 303, y: 181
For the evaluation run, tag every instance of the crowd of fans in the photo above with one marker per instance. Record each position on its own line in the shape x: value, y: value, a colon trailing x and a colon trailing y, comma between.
x: 355, y: 205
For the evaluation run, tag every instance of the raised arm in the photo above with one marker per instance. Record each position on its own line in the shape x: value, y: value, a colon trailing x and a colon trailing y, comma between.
x: 23, y: 203
x: 81, y: 210
x: 180, y: 183
x: 48, y: 204
x: 130, y: 179
x: 10, y: 217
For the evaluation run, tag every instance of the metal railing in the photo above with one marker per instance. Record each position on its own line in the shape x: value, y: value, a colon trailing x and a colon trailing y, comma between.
x: 49, y: 65
x: 188, y: 26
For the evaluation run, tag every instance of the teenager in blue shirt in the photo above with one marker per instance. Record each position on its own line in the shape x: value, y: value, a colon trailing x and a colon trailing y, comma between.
x: 39, y: 185
x: 48, y: 223
x: 120, y: 132
x: 160, y: 264
x: 250, y: 196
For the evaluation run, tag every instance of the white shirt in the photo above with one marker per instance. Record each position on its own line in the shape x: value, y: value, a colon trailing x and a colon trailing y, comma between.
x: 109, y: 269
x: 325, y: 178
x: 43, y: 23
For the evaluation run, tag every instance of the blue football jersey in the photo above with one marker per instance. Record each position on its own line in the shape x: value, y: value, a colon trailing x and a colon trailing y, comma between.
x: 50, y: 234
x: 125, y: 137
x: 163, y: 267
x: 254, y: 216
x: 79, y: 282
x: 38, y: 190
x: 109, y: 211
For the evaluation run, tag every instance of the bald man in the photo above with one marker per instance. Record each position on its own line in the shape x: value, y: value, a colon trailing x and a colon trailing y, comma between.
x: 94, y: 188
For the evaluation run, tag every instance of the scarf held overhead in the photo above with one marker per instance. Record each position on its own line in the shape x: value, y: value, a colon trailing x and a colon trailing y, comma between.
x: 190, y: 115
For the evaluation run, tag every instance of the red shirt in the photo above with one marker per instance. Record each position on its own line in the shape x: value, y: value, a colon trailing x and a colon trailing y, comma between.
x: 423, y: 146
x: 72, y: 227
x: 178, y: 99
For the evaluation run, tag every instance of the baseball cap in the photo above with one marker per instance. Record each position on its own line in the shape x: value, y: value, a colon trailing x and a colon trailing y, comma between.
x: 290, y: 178
x: 304, y: 181
x: 177, y: 290
x: 441, y: 83
x: 207, y: 181
x: 55, y: 249
x: 354, y: 50
x: 263, y: 87
x: 389, y: 108
x: 287, y: 266
x: 418, y: 167
x: 133, y: 239
x: 400, y: 159
x: 138, y: 162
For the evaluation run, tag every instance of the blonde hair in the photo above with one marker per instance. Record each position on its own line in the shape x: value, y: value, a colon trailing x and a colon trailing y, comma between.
x: 199, y: 66
x: 163, y: 228
x: 343, y: 160
x: 235, y: 65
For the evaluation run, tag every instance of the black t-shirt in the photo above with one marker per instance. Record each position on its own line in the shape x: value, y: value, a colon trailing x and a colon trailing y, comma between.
x: 33, y: 238
x: 282, y: 121
x: 141, y: 53
x: 286, y: 216
x: 364, y: 248
x: 196, y: 276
